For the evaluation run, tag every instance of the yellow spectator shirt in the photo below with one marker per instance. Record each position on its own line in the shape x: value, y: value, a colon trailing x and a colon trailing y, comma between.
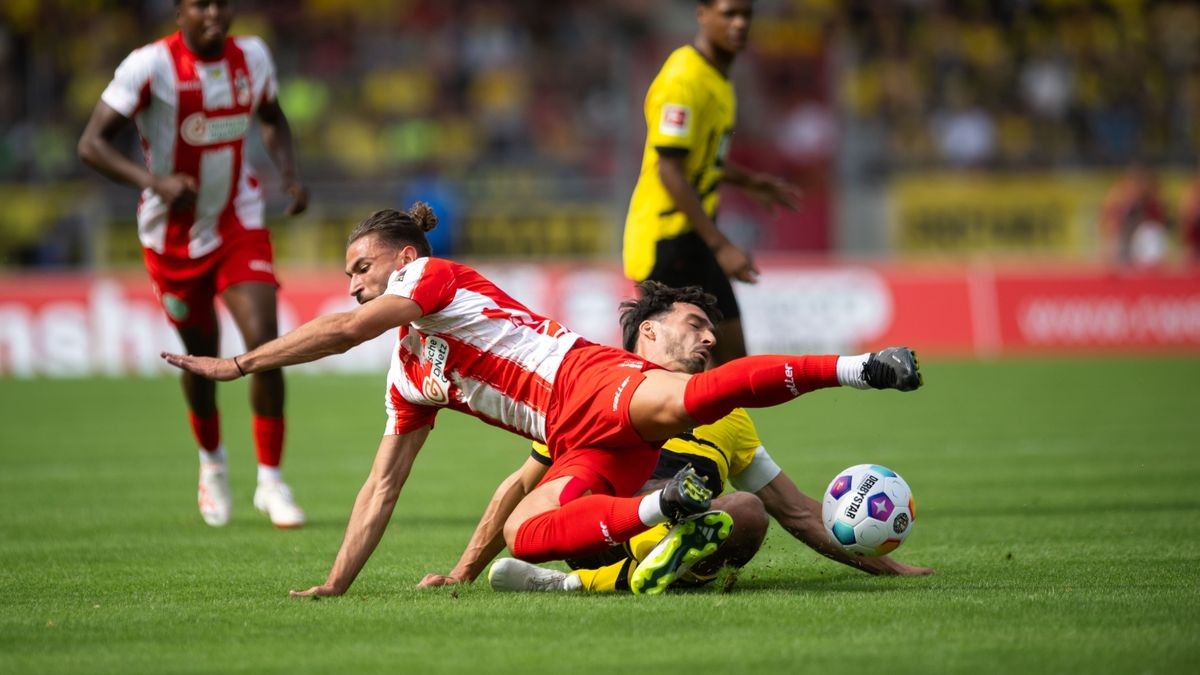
x: 690, y: 107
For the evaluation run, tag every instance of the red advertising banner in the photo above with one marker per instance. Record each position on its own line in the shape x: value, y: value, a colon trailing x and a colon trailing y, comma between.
x: 81, y: 325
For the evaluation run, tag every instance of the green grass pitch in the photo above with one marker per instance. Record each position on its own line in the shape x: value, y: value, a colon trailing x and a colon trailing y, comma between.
x: 1058, y: 500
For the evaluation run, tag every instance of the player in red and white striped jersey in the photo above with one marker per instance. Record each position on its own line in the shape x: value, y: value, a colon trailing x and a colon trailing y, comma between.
x: 193, y: 96
x: 603, y: 412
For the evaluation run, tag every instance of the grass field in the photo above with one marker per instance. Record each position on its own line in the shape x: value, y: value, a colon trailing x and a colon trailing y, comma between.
x: 1058, y: 500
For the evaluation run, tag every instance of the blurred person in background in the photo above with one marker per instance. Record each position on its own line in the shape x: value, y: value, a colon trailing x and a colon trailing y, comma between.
x: 1133, y: 219
x: 671, y: 235
x: 192, y: 96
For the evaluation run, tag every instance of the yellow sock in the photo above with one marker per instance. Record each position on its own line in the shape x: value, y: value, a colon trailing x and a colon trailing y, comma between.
x: 641, y: 545
x: 603, y: 580
x: 615, y: 577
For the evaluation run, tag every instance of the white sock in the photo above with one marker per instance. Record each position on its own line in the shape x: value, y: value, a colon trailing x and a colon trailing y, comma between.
x: 215, y: 457
x: 269, y: 474
x: 650, y: 510
x: 850, y: 371
x: 572, y: 582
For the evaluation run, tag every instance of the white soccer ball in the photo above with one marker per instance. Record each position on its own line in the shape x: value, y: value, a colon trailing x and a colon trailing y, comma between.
x: 868, y: 510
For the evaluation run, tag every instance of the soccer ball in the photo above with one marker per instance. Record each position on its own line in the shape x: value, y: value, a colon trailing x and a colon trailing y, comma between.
x: 868, y: 510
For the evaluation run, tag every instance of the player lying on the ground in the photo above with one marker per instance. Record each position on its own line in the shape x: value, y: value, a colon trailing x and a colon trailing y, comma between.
x: 655, y: 328
x: 603, y: 413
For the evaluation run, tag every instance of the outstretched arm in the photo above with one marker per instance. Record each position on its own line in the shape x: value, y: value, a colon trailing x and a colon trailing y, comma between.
x: 277, y: 137
x: 800, y: 515
x: 768, y: 189
x: 488, y: 538
x: 372, y: 511
x: 323, y: 336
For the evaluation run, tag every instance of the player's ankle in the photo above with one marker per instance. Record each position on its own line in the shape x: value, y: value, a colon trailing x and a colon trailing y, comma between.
x: 650, y: 509
x: 269, y: 474
x: 213, y: 457
x: 850, y: 371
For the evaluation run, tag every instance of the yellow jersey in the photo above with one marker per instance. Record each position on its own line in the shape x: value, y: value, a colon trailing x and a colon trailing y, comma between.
x: 728, y: 449
x: 690, y: 107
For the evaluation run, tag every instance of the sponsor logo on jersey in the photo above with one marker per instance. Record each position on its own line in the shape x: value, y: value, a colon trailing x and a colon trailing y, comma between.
x: 241, y: 84
x: 620, y: 390
x: 262, y: 266
x: 630, y: 364
x: 434, y: 385
x: 676, y: 120
x: 199, y: 129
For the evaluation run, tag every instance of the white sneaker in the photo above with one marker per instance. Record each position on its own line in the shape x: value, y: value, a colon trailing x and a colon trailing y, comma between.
x: 212, y: 495
x: 274, y: 498
x: 512, y: 575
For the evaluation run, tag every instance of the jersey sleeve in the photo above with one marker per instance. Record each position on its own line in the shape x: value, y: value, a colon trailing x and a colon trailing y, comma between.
x: 429, y: 282
x: 750, y: 467
x: 262, y: 68
x: 541, y: 453
x: 671, y: 109
x: 129, y: 90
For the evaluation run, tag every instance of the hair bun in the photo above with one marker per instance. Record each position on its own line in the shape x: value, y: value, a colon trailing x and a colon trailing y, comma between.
x: 423, y: 215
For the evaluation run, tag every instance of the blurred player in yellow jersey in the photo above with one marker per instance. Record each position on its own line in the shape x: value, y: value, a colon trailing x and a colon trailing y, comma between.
x: 671, y: 234
x: 726, y: 451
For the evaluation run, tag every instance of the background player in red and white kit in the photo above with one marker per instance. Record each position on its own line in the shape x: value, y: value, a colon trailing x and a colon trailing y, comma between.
x: 464, y: 344
x: 193, y: 95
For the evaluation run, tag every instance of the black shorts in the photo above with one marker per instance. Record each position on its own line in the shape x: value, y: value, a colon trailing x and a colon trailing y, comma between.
x: 687, y: 261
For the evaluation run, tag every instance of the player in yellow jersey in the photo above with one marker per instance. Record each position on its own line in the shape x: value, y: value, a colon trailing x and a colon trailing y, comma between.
x: 726, y: 451
x: 671, y: 234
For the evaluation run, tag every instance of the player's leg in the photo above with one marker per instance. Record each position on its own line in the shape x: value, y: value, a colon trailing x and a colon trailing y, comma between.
x: 253, y: 307
x: 666, y: 404
x: 573, y: 513
x: 742, y: 543
x: 247, y: 283
x: 749, y: 529
x: 739, y: 547
x: 201, y: 337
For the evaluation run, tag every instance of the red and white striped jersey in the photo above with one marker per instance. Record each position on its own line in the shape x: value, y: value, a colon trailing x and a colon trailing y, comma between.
x: 193, y: 115
x: 475, y: 350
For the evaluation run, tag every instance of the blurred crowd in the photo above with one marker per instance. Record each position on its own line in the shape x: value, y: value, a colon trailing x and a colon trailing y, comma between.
x: 379, y: 86
x: 528, y: 97
x: 1023, y: 83
x: 374, y: 85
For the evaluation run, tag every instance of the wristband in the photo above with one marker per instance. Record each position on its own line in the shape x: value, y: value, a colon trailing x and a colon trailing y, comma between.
x: 238, y: 366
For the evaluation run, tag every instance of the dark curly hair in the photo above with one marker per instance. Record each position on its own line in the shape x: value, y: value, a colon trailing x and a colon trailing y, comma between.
x: 655, y: 299
x: 399, y: 229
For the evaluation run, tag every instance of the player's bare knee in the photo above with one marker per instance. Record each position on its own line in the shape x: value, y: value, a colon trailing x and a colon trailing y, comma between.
x: 511, y: 527
x: 749, y: 516
x: 259, y: 331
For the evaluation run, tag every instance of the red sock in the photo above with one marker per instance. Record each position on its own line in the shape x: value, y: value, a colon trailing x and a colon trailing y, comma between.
x: 207, y: 430
x: 581, y: 527
x: 268, y: 439
x: 756, y: 382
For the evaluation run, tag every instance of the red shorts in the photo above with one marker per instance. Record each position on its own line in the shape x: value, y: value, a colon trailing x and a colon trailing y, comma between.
x: 186, y: 287
x: 589, y: 433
